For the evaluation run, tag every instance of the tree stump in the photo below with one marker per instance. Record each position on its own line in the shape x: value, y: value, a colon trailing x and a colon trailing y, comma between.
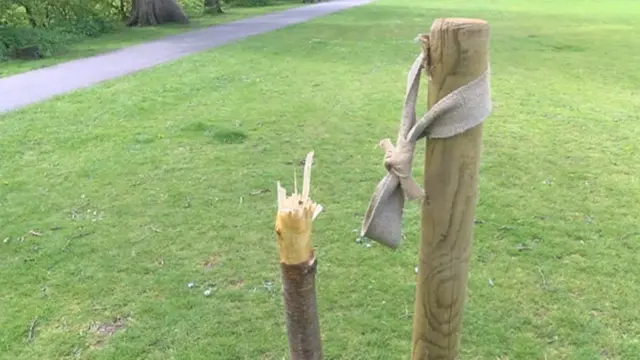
x: 27, y: 53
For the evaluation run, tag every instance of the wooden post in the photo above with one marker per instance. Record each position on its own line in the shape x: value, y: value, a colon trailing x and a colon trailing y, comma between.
x: 298, y: 266
x: 458, y: 54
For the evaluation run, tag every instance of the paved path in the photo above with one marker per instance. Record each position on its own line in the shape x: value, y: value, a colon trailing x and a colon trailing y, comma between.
x: 34, y: 86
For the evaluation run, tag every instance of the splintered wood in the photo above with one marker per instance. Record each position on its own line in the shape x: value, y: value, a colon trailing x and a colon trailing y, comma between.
x: 298, y: 266
x: 295, y: 216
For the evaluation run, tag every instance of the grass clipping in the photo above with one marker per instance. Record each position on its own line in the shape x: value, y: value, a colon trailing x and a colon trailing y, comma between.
x: 298, y: 266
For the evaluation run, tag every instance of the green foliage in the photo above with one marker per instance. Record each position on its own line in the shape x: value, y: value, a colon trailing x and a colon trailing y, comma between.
x: 192, y: 7
x: 258, y: 3
x: 49, y: 41
x: 249, y: 3
x: 55, y: 24
x: 52, y: 24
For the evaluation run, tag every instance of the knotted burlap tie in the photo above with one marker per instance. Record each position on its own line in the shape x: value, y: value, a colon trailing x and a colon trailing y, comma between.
x: 461, y: 110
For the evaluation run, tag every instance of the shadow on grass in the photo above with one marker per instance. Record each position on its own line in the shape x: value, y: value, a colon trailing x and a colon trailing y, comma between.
x: 217, y: 134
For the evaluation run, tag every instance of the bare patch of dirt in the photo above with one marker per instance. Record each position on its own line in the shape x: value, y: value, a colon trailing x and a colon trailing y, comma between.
x: 210, y: 262
x: 236, y: 284
x: 104, y: 330
x: 108, y: 329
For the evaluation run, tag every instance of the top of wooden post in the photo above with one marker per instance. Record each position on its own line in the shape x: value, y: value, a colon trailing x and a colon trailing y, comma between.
x: 457, y: 53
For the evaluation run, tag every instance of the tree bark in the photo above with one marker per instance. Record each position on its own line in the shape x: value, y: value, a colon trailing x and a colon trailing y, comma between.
x: 156, y: 12
x: 212, y: 7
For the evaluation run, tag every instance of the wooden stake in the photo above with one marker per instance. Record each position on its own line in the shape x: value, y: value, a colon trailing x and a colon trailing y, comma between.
x: 457, y: 54
x: 298, y: 265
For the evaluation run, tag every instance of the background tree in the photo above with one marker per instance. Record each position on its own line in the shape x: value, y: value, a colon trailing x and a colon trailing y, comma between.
x: 155, y: 12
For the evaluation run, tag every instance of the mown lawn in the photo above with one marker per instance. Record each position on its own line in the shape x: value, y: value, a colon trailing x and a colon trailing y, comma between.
x: 113, y: 199
x: 123, y: 36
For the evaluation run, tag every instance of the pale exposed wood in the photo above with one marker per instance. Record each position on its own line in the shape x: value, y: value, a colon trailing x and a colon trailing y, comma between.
x: 294, y: 218
x: 306, y: 176
x: 458, y: 53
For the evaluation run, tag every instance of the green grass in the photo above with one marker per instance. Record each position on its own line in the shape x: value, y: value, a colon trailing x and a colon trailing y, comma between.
x: 123, y: 36
x: 144, y: 184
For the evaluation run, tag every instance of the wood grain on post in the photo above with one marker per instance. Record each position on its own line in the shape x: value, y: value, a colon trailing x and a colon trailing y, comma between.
x: 457, y: 54
x: 298, y: 266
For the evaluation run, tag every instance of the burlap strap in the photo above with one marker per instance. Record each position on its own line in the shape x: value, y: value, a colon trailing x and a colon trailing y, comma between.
x: 461, y: 110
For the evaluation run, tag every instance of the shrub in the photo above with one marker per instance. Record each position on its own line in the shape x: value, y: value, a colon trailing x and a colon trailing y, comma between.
x: 249, y: 3
x: 49, y: 41
x: 52, y: 24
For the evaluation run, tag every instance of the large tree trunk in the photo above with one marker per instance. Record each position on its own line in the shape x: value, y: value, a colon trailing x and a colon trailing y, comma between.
x: 212, y: 7
x: 155, y: 12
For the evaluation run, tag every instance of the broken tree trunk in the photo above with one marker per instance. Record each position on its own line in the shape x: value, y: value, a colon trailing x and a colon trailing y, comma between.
x: 298, y: 265
x: 156, y: 12
x: 457, y: 51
